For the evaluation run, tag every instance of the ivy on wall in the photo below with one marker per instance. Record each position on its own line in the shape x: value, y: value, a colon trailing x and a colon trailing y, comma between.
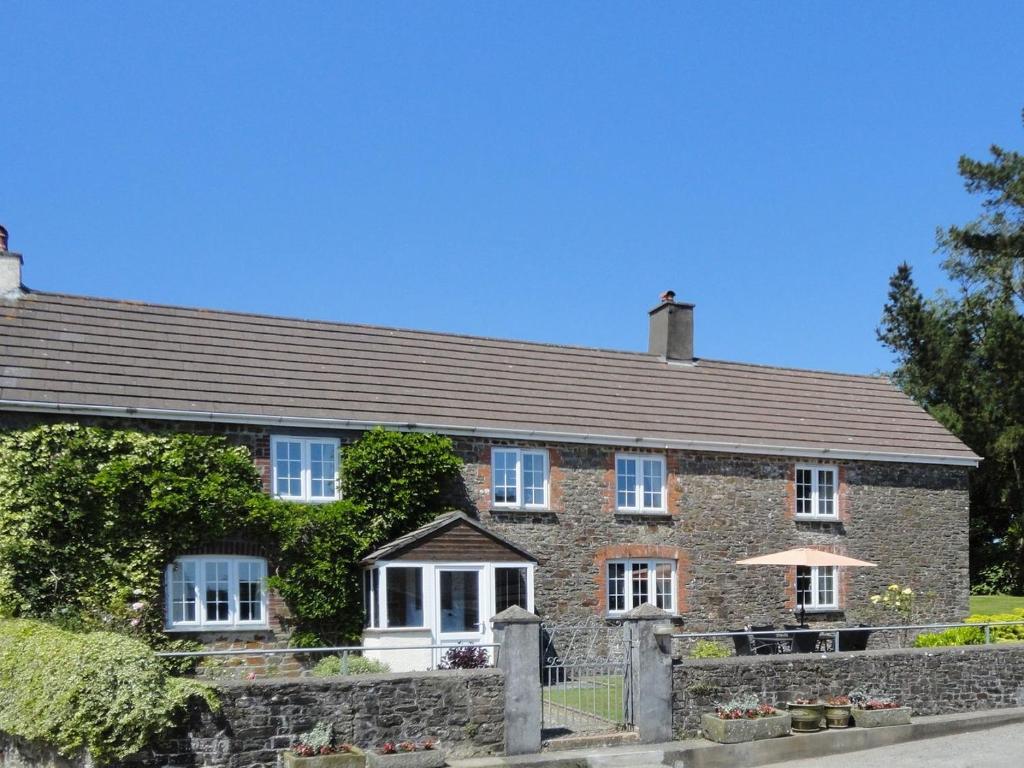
x: 89, y: 518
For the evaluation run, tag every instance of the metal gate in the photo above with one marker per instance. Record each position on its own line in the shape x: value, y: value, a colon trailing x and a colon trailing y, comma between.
x: 586, y: 678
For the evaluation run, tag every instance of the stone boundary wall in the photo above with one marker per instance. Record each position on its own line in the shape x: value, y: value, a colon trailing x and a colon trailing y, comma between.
x: 463, y: 709
x: 931, y: 681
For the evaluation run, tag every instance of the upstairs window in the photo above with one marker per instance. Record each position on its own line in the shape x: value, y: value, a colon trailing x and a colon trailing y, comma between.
x: 816, y: 491
x: 816, y: 587
x: 519, y: 478
x: 215, y: 592
x: 305, y: 469
x: 631, y: 583
x: 639, y: 483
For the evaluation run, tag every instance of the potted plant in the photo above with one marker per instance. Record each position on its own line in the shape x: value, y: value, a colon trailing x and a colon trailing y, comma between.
x: 406, y: 754
x: 837, y: 711
x: 807, y: 713
x: 320, y: 749
x: 744, y: 719
x: 874, y: 710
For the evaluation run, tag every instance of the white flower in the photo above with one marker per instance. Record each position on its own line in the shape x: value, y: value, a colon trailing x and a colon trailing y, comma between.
x: 138, y: 606
x: 908, y: 591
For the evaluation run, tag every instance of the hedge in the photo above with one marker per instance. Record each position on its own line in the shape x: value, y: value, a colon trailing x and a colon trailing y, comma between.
x: 102, y: 692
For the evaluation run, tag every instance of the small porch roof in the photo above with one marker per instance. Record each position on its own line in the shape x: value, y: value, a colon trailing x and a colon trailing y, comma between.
x: 436, y: 527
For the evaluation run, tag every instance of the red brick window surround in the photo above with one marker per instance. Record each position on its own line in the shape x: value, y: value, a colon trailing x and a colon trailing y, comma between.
x: 638, y: 554
x: 840, y: 585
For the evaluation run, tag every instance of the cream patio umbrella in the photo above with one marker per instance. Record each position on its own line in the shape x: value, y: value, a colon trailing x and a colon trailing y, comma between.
x: 807, y: 557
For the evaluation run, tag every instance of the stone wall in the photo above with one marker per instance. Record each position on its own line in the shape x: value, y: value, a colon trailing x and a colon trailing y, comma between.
x: 912, y: 519
x: 931, y: 681
x: 462, y: 709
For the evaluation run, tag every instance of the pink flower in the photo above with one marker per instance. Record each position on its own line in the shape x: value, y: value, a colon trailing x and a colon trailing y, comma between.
x: 135, y: 622
x: 251, y: 676
x: 138, y: 606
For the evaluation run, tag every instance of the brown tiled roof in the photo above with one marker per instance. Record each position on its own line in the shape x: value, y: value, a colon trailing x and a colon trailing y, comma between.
x: 85, y: 354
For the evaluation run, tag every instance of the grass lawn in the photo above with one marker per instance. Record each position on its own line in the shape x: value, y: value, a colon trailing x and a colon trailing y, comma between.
x: 598, y: 695
x: 995, y: 603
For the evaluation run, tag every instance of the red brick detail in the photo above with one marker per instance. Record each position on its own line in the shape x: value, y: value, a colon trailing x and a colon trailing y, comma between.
x: 789, y: 511
x: 672, y: 483
x: 483, y: 495
x: 556, y: 476
x: 608, y: 488
x: 843, y: 496
x: 637, y: 551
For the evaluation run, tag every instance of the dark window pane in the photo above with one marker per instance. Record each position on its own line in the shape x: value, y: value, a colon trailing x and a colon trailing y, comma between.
x: 460, y: 601
x: 405, y: 597
x: 509, y: 588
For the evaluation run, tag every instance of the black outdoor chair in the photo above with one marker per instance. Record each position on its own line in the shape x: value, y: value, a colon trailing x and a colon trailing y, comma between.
x: 854, y: 639
x: 802, y: 642
x: 765, y: 644
x: 742, y: 643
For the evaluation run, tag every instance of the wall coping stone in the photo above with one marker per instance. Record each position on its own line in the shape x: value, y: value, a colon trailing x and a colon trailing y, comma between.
x: 338, y: 680
x: 770, y: 660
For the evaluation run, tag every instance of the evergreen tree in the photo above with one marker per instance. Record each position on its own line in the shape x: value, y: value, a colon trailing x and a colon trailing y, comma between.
x: 961, y: 355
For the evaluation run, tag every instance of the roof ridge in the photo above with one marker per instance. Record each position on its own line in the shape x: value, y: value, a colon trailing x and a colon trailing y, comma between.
x: 133, y: 303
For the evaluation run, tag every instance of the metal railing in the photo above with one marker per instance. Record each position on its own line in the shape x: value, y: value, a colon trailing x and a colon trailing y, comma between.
x: 330, y: 650
x: 836, y: 632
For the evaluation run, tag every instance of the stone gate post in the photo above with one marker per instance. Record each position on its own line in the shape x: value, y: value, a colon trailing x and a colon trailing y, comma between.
x: 648, y: 687
x: 518, y: 633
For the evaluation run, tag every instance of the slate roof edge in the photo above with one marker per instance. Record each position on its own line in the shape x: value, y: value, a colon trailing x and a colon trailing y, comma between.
x: 966, y: 459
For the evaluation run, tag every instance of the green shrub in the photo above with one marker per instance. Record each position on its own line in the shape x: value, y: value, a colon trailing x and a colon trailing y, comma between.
x: 952, y: 636
x: 1008, y: 633
x: 330, y: 666
x: 709, y: 649
x: 99, y: 691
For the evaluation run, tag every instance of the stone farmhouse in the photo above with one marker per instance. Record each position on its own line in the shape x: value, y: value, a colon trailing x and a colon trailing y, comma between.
x: 595, y: 480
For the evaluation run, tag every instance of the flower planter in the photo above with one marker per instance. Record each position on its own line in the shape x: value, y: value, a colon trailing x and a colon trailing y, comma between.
x: 874, y: 718
x: 806, y: 717
x: 421, y: 758
x: 352, y: 759
x: 837, y: 715
x: 752, y: 729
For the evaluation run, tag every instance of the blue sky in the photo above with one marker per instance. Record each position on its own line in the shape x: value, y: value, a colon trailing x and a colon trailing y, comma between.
x: 527, y: 170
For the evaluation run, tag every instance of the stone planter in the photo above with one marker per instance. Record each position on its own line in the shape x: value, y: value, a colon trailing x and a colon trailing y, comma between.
x: 837, y: 715
x: 874, y: 718
x: 421, y: 758
x: 735, y: 731
x: 354, y: 759
x: 806, y: 717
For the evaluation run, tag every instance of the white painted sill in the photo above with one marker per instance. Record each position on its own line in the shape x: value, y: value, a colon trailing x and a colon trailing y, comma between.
x: 817, y: 518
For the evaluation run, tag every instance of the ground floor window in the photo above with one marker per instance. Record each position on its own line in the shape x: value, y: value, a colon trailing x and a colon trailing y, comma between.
x: 212, y: 592
x: 816, y: 587
x: 631, y: 583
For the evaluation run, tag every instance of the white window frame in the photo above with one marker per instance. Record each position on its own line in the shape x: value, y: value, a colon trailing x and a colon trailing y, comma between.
x: 306, y: 476
x: 816, y: 604
x: 201, y: 623
x: 651, y: 564
x: 640, y: 458
x: 519, y: 503
x: 815, y: 470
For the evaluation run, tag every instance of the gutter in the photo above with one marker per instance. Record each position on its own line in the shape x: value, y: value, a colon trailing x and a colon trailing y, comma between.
x: 621, y: 441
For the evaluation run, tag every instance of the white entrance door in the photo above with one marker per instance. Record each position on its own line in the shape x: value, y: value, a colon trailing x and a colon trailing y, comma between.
x: 460, y: 614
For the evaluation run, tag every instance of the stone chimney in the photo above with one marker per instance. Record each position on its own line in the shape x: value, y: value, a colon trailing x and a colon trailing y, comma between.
x: 10, y: 270
x: 671, y: 335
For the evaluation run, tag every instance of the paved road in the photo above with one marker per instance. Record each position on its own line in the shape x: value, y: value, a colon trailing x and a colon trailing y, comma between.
x: 1001, y: 747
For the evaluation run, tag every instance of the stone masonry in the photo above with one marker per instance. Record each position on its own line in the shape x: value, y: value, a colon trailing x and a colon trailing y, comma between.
x: 931, y: 681
x: 462, y: 709
x: 912, y: 519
